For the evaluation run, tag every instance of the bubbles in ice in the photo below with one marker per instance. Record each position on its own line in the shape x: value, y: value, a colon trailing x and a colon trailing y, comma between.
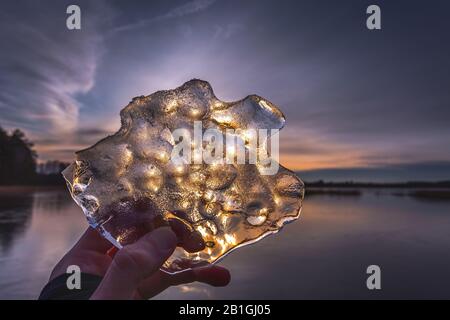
x: 128, y: 185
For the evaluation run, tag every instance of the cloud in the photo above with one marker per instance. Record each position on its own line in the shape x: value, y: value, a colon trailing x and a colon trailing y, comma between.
x: 228, y: 30
x: 53, y: 147
x: 93, y: 132
x: 180, y: 11
x: 351, y: 98
x: 43, y: 67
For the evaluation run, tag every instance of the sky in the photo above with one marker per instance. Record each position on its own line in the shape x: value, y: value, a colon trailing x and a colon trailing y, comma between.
x: 354, y: 99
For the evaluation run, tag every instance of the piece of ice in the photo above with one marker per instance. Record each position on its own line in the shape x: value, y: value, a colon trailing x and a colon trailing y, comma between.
x: 127, y: 184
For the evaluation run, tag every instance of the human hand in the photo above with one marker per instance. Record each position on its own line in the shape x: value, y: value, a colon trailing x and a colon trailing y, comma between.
x: 133, y: 273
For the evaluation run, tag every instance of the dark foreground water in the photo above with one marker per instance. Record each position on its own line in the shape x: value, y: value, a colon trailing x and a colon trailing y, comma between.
x: 323, y: 255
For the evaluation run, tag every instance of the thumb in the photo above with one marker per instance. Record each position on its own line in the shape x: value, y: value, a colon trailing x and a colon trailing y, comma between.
x: 136, y: 262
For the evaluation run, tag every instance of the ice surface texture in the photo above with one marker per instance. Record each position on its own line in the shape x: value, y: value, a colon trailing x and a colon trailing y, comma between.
x: 127, y: 184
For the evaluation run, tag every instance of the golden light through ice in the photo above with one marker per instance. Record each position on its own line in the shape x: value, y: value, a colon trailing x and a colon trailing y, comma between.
x: 127, y: 184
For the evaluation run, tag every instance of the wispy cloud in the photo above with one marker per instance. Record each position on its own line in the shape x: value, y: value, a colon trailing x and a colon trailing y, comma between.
x: 228, y: 30
x: 350, y: 99
x: 180, y: 11
x: 43, y: 67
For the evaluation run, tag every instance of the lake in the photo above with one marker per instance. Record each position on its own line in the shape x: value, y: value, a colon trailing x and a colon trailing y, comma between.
x: 323, y: 255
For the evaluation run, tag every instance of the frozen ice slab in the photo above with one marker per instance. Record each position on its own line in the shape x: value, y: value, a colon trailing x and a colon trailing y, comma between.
x: 128, y: 184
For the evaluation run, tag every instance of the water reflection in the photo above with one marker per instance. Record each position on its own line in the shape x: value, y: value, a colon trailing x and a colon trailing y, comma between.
x: 52, y: 202
x: 15, y: 213
x: 324, y: 255
x: 37, y: 227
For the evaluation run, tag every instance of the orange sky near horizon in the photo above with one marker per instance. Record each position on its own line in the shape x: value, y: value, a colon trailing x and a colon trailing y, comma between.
x: 330, y: 158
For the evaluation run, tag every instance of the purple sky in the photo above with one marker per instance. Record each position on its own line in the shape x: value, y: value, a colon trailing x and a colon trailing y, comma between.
x: 352, y: 97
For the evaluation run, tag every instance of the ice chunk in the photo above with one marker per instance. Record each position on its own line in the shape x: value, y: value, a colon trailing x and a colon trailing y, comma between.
x: 128, y: 185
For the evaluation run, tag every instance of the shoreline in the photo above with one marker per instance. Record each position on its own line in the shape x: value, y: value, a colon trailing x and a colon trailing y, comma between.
x: 28, y: 188
x: 430, y: 193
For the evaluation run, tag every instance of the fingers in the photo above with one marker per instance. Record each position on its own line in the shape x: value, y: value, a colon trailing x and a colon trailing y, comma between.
x: 215, y: 276
x: 89, y: 248
x: 190, y: 240
x: 212, y: 275
x: 136, y: 262
x: 92, y: 240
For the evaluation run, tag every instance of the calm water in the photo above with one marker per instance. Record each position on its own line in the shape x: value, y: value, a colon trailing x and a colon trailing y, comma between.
x: 323, y: 255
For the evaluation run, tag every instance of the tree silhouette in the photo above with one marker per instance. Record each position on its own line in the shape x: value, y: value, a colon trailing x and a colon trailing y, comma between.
x: 17, y: 159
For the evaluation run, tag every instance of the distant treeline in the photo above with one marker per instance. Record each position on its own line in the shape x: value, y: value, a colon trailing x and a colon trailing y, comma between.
x: 18, y: 167
x: 18, y: 162
x: 426, y: 191
x: 351, y: 184
x: 17, y: 158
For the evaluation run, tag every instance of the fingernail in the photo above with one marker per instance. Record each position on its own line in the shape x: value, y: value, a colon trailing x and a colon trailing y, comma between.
x: 166, y: 239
